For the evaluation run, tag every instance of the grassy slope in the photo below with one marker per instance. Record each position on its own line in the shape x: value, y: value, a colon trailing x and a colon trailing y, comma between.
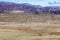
x: 8, y: 34
x: 39, y: 25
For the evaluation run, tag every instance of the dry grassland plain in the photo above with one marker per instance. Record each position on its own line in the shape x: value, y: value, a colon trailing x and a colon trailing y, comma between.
x: 28, y: 26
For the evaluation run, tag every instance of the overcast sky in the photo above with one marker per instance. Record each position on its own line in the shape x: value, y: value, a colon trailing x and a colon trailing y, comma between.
x: 37, y: 2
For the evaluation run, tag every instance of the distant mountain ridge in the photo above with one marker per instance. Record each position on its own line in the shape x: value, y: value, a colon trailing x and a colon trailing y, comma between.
x: 7, y: 6
x: 37, y: 9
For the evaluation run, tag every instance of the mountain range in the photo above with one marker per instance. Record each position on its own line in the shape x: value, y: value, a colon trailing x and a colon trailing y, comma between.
x: 36, y: 9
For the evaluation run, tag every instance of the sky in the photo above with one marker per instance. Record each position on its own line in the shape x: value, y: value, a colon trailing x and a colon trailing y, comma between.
x: 37, y: 2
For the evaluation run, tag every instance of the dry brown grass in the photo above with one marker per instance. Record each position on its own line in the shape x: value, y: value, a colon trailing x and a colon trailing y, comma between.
x: 28, y: 17
x: 55, y: 33
x: 43, y: 24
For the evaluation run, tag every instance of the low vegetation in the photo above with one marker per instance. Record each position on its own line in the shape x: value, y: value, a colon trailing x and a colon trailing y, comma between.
x: 28, y: 26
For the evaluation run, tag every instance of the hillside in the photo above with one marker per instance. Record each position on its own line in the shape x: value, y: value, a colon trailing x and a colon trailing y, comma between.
x: 28, y: 8
x: 29, y: 26
x: 29, y: 22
